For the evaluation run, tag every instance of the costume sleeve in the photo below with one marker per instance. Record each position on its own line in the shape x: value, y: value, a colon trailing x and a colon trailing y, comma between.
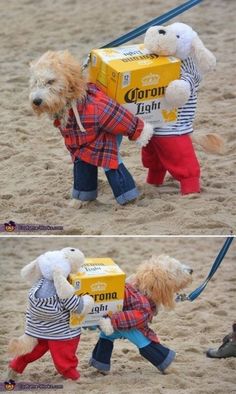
x: 115, y: 119
x: 190, y: 75
x: 73, y: 304
x: 130, y: 319
x: 139, y: 313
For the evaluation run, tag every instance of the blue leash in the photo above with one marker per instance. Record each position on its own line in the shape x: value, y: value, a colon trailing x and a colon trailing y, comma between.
x: 195, y: 293
x: 157, y: 21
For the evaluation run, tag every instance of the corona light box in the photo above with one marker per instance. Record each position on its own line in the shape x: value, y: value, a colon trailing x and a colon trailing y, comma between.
x: 105, y: 282
x: 136, y: 80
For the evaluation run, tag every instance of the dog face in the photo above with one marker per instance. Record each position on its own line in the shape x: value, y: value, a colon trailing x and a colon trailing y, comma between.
x: 56, y: 79
x: 161, y: 278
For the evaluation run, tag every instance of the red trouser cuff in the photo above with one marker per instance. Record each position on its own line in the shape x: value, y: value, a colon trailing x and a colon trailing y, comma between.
x: 17, y: 365
x: 190, y: 185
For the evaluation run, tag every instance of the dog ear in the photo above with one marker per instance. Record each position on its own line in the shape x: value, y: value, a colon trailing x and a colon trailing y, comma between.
x: 72, y: 71
x: 63, y: 288
x: 163, y: 289
x: 31, y: 272
x: 205, y: 59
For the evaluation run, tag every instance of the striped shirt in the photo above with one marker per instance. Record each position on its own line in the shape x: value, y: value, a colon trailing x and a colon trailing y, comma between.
x: 48, y: 316
x: 186, y: 114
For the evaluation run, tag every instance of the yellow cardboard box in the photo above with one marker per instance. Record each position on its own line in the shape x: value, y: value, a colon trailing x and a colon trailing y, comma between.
x: 136, y: 80
x: 105, y: 282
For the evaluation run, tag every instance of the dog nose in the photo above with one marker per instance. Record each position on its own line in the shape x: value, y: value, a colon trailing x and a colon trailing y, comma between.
x: 190, y: 271
x: 37, y: 101
x: 162, y: 32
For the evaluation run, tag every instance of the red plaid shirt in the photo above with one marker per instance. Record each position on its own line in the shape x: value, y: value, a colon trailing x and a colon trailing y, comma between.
x: 102, y: 119
x: 138, y: 311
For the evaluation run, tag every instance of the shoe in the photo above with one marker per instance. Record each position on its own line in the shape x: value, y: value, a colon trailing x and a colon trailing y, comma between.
x: 227, y: 349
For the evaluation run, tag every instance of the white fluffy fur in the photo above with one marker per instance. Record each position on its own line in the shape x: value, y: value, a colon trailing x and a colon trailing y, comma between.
x: 181, y: 41
x: 22, y: 345
x: 177, y: 93
x: 146, y: 135
x: 106, y: 326
x: 88, y: 304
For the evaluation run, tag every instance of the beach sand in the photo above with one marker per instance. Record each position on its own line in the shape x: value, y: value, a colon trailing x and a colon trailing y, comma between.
x: 35, y: 167
x: 190, y: 329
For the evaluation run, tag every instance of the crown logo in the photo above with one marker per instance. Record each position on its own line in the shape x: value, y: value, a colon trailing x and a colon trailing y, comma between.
x: 98, y: 286
x: 150, y: 79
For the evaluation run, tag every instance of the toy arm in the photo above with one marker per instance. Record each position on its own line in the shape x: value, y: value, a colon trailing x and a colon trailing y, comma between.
x: 124, y: 320
x: 115, y: 119
x: 79, y: 304
x: 177, y: 93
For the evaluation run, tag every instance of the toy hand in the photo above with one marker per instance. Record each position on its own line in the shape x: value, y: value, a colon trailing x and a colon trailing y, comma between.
x: 106, y: 326
x: 145, y: 135
x: 63, y: 287
x: 88, y: 304
x: 177, y: 93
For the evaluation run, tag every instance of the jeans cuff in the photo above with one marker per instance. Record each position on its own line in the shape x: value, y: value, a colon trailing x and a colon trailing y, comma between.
x: 98, y: 365
x: 127, y: 196
x: 84, y: 196
x: 168, y: 360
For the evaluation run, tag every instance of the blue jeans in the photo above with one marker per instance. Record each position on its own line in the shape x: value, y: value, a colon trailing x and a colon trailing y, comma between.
x: 157, y: 354
x: 120, y: 180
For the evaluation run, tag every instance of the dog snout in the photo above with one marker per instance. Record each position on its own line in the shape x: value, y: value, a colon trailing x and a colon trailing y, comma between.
x: 190, y: 270
x: 37, y: 101
x: 162, y: 31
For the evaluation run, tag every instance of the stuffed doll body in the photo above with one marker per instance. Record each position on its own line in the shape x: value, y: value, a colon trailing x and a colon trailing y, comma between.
x: 171, y: 149
x: 50, y: 301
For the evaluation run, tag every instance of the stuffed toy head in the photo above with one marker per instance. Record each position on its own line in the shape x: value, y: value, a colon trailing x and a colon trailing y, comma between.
x: 161, y: 278
x: 55, y: 265
x: 181, y: 41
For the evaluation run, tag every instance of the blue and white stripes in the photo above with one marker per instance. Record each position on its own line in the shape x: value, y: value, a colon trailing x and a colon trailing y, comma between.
x: 48, y: 317
x: 186, y: 114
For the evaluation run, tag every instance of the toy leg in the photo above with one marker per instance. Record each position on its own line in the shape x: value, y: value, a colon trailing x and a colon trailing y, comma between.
x: 85, y: 181
x: 150, y: 160
x: 122, y: 184
x: 157, y: 354
x: 18, y: 364
x: 121, y: 181
x: 178, y: 157
x: 101, y: 356
x: 63, y: 353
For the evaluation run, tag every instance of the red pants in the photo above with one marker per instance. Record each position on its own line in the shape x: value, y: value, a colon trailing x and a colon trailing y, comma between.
x: 62, y: 352
x: 175, y: 155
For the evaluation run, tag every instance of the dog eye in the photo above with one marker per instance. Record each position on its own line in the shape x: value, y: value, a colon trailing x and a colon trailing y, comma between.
x: 177, y: 36
x: 50, y: 82
x: 72, y: 250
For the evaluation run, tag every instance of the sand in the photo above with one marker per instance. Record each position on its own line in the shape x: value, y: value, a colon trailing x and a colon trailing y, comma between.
x: 35, y: 167
x: 190, y: 329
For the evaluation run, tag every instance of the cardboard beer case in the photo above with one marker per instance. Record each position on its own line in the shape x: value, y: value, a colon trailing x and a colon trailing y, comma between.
x: 136, y: 80
x: 105, y: 282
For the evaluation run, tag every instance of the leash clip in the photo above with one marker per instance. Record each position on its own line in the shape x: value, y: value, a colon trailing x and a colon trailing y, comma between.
x: 182, y: 297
